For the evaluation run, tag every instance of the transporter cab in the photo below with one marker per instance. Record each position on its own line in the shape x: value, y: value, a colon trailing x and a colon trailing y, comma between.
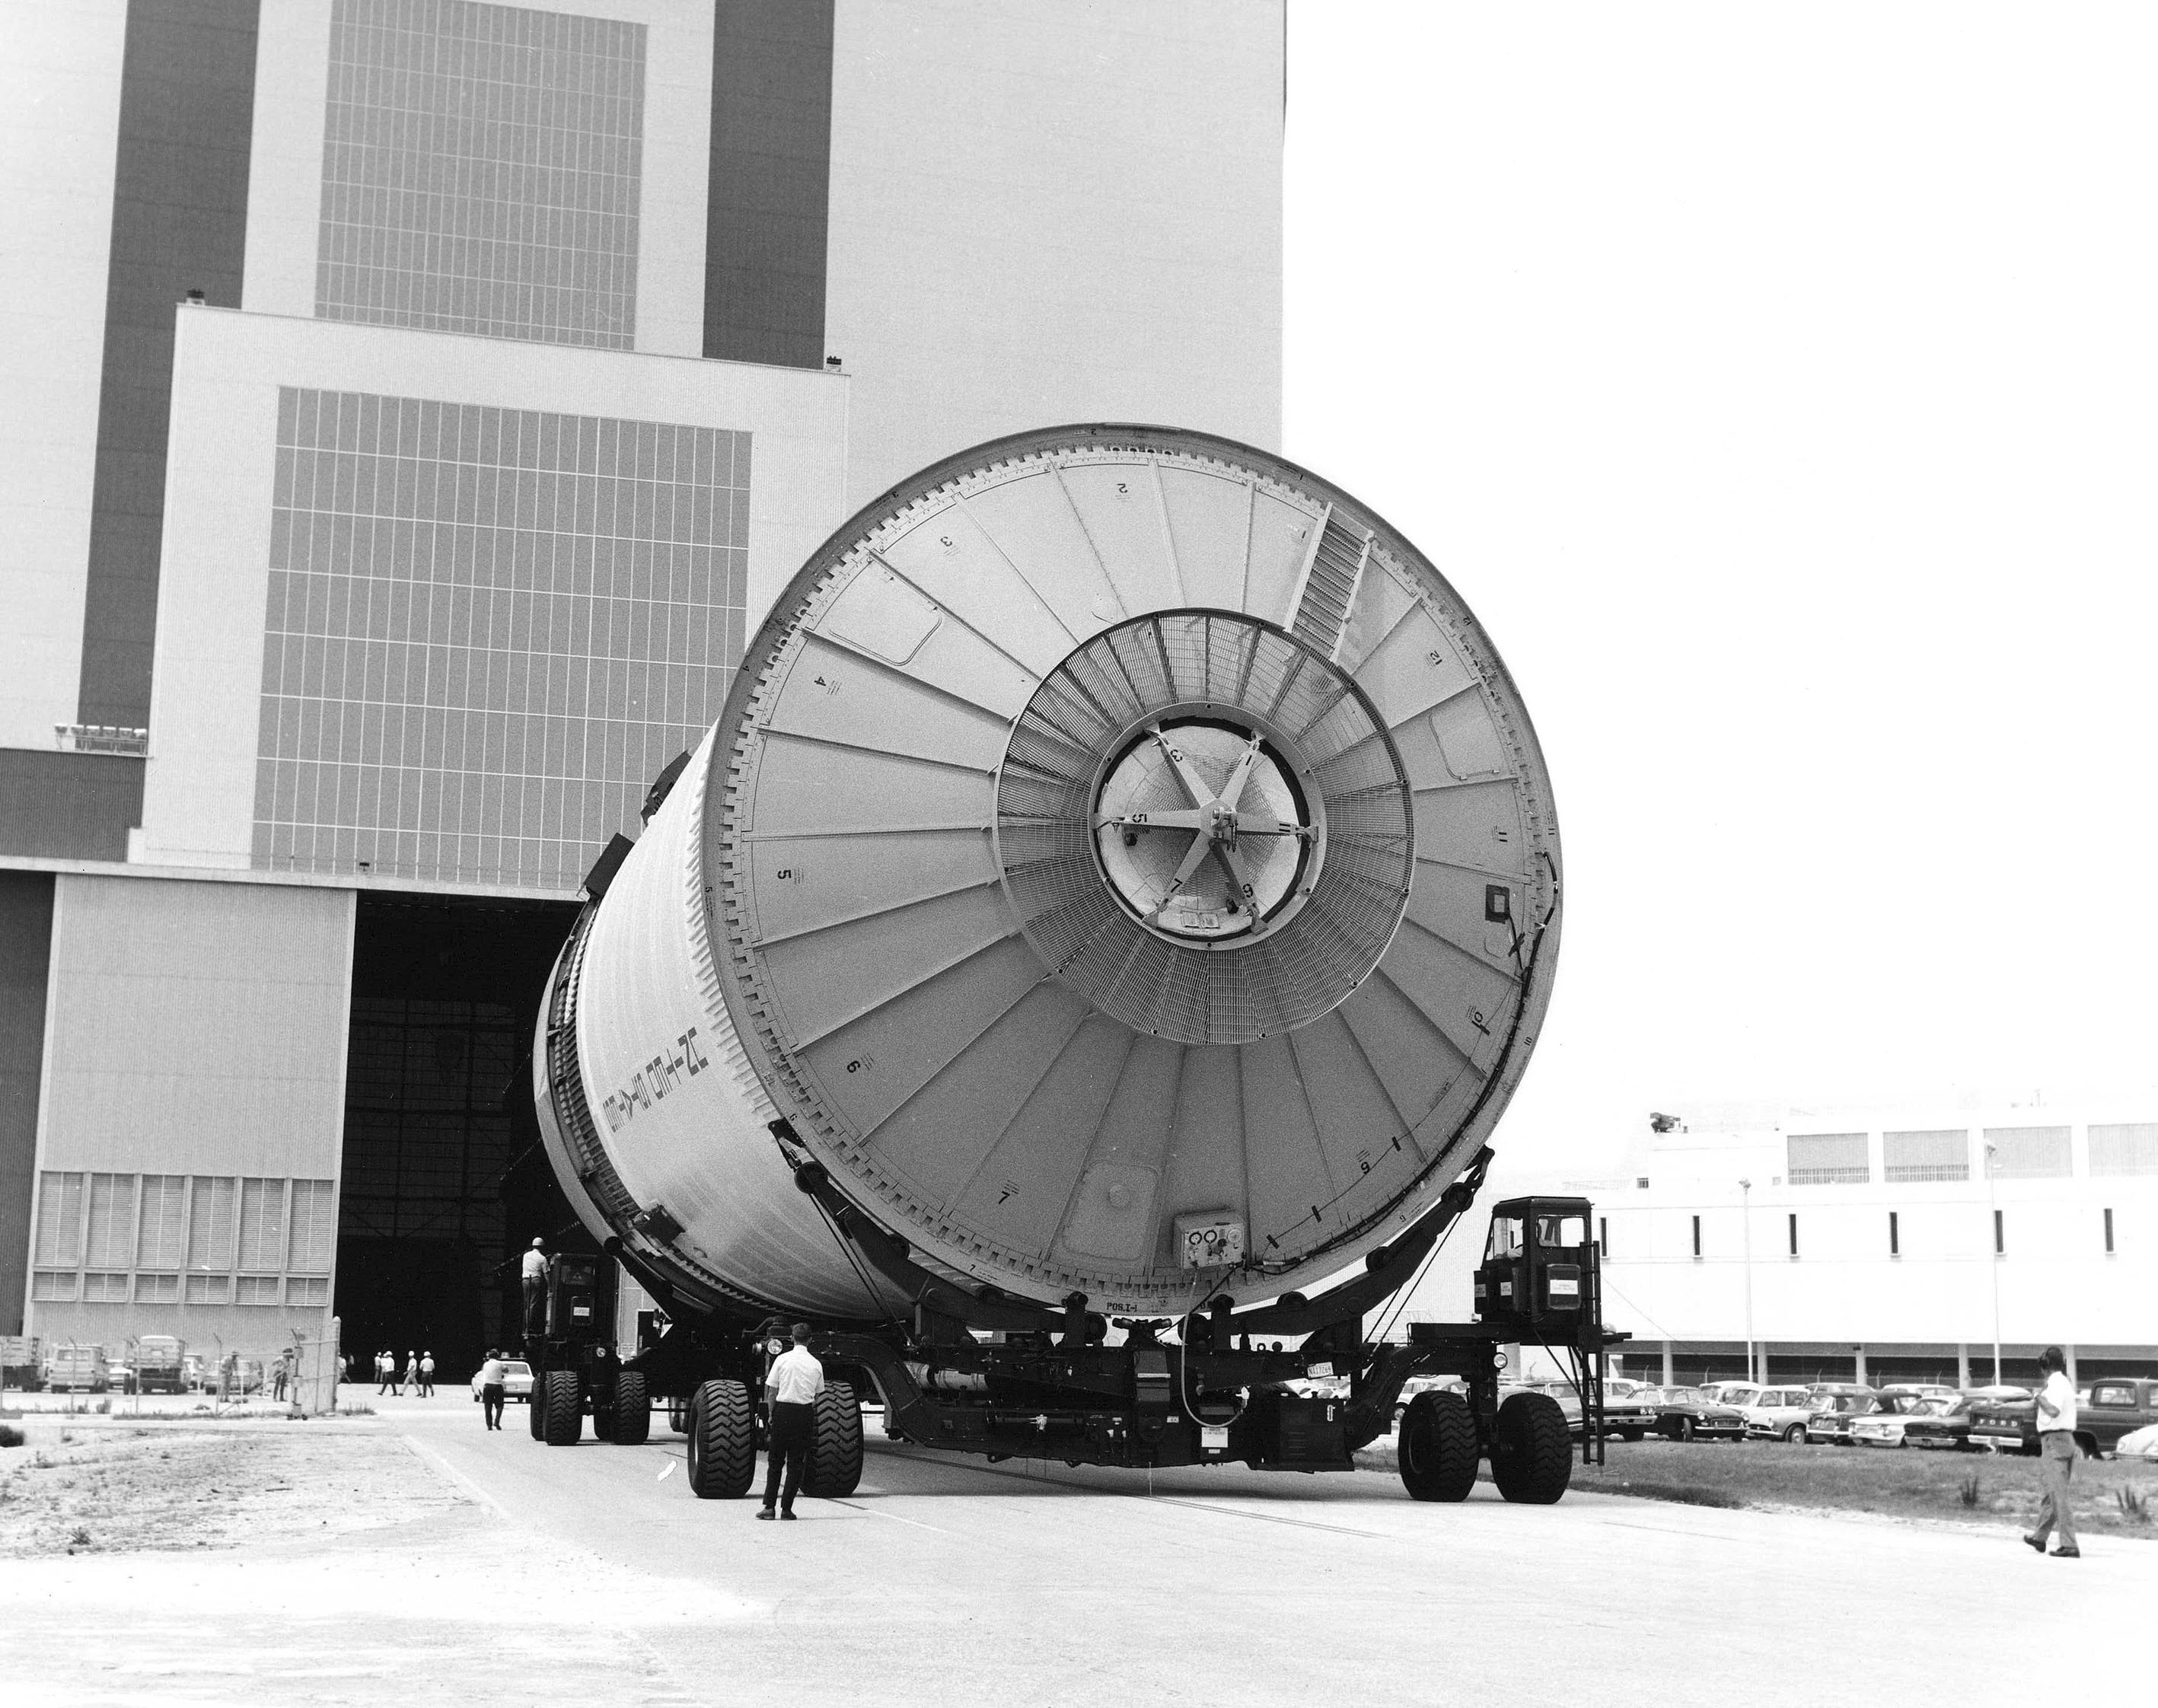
x: 1079, y: 973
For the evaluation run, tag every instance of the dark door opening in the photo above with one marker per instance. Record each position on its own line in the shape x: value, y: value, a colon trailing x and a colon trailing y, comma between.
x: 444, y: 1181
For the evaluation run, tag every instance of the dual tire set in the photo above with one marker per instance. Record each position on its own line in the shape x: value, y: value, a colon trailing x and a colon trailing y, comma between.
x: 1531, y: 1448
x: 622, y: 1414
x: 722, y: 1431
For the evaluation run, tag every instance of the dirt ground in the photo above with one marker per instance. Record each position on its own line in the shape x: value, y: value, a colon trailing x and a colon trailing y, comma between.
x: 97, y: 1485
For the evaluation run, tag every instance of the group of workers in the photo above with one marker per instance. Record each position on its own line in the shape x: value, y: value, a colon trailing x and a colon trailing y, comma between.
x: 418, y: 1374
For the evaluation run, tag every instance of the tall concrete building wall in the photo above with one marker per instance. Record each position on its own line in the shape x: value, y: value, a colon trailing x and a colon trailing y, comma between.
x: 537, y: 344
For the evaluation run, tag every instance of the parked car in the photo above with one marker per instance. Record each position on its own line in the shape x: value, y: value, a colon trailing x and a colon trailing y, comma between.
x: 1834, y: 1413
x: 1688, y: 1414
x: 516, y: 1380
x: 1626, y: 1414
x: 1947, y: 1430
x: 1885, y: 1427
x: 1778, y: 1413
x: 2112, y: 1407
x: 2138, y: 1443
x: 1739, y: 1394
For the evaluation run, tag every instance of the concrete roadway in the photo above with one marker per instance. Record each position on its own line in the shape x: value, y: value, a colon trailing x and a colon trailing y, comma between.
x: 590, y: 1577
x: 953, y: 1580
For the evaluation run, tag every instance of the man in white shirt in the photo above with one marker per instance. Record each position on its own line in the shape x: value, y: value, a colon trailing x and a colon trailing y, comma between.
x: 490, y: 1388
x: 791, y: 1385
x: 536, y: 1289
x: 2057, y: 1455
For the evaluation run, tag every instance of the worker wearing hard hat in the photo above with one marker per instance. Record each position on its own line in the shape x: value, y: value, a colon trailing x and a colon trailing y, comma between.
x: 535, y: 1288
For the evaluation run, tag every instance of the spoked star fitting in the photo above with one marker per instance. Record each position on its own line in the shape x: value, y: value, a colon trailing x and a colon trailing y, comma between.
x: 1137, y: 842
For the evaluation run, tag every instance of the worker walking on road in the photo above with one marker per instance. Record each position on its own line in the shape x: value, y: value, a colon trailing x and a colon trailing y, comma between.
x: 2056, y: 1456
x: 535, y: 1288
x: 791, y: 1385
x: 386, y: 1371
x: 412, y: 1371
x: 427, y: 1375
x: 490, y: 1388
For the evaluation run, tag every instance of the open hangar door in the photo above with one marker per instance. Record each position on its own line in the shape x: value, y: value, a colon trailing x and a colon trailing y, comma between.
x: 443, y: 1182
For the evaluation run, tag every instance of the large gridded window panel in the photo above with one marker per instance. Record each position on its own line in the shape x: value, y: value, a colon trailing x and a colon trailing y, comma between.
x: 2129, y: 1147
x: 1939, y: 1154
x: 53, y: 1286
x: 212, y: 1222
x: 156, y: 1289
x: 59, y: 1242
x: 314, y: 1228
x: 488, y: 630
x: 1827, y: 1159
x: 480, y: 170
x: 113, y: 1223
x: 2028, y: 1152
x: 108, y: 1287
x: 262, y: 1225
x: 164, y: 1222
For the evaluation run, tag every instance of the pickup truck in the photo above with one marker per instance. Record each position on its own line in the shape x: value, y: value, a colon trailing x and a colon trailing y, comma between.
x: 2109, y: 1408
x: 159, y: 1362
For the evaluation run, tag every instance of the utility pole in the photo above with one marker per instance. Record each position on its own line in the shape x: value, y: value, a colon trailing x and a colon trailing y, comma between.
x: 1746, y: 1216
x: 1993, y: 1254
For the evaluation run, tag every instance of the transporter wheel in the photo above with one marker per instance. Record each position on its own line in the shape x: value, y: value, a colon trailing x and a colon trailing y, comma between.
x: 1531, y: 1450
x: 631, y: 1422
x: 678, y: 1416
x: 835, y: 1450
x: 535, y: 1408
x: 565, y: 1409
x: 722, y: 1441
x: 1437, y: 1447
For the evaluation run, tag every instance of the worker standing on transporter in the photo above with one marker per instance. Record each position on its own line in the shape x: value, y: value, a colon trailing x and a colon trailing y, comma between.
x: 490, y: 1388
x: 535, y: 1288
x: 426, y: 1375
x: 2056, y: 1456
x: 791, y: 1385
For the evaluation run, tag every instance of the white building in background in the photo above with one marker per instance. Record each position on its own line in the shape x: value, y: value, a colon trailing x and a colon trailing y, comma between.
x: 1886, y: 1245
x: 413, y: 403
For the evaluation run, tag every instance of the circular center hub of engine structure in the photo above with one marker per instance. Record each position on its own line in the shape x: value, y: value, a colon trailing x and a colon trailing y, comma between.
x: 1203, y: 831
x: 1204, y: 826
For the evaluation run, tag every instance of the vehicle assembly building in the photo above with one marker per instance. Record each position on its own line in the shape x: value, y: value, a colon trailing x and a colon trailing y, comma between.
x: 420, y: 405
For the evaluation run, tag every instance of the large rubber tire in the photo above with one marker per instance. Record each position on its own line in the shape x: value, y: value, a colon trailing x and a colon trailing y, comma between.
x: 631, y: 1422
x: 564, y: 1408
x: 722, y: 1441
x: 535, y: 1408
x: 1437, y: 1447
x: 1531, y: 1450
x: 835, y: 1450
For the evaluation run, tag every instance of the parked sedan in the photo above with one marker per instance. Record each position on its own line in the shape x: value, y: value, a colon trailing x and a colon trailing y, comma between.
x: 1834, y: 1414
x: 1779, y: 1413
x: 1688, y: 1414
x: 1885, y: 1427
x: 1949, y: 1431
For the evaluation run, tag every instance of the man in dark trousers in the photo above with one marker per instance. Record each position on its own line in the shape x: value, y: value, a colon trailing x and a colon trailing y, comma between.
x: 536, y: 1289
x: 791, y: 1385
x: 490, y: 1388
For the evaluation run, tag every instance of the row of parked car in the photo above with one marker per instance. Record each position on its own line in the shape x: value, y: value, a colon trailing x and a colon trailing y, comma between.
x: 2116, y: 1416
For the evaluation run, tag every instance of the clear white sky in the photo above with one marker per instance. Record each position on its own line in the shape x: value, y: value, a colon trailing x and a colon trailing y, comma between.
x: 1779, y: 385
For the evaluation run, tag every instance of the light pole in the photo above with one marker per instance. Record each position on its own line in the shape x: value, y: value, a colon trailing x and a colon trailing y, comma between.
x: 1993, y: 1254
x: 1746, y: 1223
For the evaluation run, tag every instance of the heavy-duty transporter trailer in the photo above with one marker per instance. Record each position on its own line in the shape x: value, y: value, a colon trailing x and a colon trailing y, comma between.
x: 1030, y: 1383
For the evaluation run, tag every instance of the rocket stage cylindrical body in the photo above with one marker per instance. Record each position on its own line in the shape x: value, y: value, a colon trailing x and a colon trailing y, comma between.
x: 1122, y: 861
